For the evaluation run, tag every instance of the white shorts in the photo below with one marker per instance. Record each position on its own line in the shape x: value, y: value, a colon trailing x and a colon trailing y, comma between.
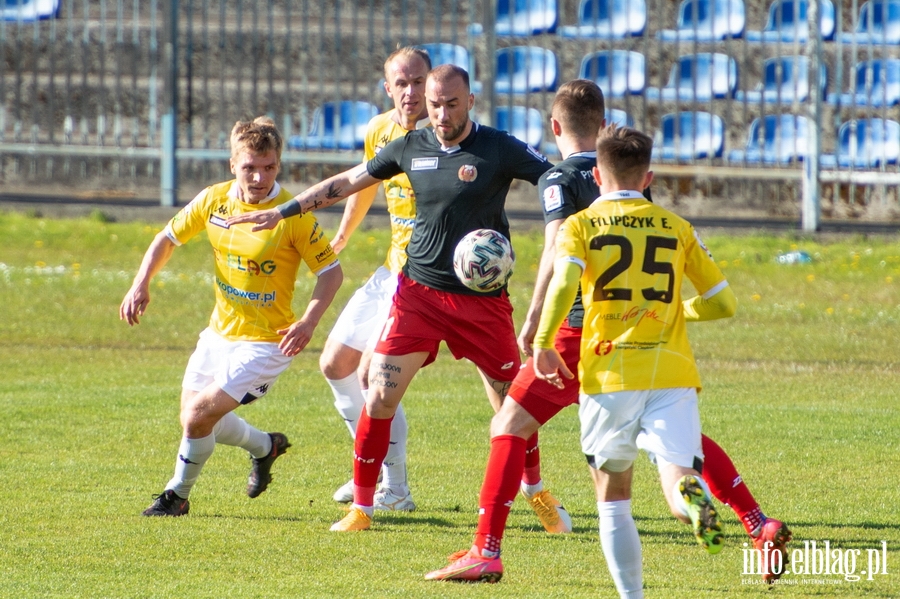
x: 362, y: 319
x: 666, y: 420
x: 242, y: 369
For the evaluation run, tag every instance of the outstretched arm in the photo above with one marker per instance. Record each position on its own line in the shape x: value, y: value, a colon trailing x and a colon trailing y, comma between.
x: 298, y: 335
x: 318, y: 196
x: 135, y: 302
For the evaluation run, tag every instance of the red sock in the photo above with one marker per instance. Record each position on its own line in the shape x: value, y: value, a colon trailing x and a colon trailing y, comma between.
x: 532, y: 461
x: 501, y: 483
x: 727, y: 486
x: 373, y: 436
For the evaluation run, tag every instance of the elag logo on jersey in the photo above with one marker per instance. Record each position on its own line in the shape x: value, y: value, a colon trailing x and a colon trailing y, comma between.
x: 247, y: 265
x: 467, y: 173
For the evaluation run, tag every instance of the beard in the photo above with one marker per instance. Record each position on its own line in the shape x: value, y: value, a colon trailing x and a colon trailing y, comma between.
x: 453, y: 134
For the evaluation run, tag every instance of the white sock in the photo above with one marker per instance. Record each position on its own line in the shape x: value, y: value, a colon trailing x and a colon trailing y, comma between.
x: 680, y: 503
x: 367, y: 509
x: 532, y: 490
x: 349, y: 400
x: 234, y: 430
x: 192, y: 455
x: 621, y: 547
x: 394, y: 465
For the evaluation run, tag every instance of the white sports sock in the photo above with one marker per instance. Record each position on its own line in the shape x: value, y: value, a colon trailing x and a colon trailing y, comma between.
x: 235, y: 431
x: 394, y: 465
x: 680, y: 503
x: 349, y: 400
x: 532, y: 490
x: 621, y: 547
x: 192, y: 455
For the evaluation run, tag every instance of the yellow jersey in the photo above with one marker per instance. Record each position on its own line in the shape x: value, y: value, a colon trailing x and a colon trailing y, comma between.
x: 634, y: 256
x: 400, y: 197
x: 255, y: 272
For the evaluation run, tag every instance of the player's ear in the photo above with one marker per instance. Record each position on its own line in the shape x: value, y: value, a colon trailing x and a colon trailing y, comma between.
x: 555, y: 127
x: 648, y: 178
x: 387, y: 88
x: 471, y: 101
x: 231, y: 166
x: 596, y: 172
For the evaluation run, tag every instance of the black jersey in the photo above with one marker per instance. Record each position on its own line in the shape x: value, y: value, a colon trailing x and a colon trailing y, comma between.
x: 457, y: 191
x: 565, y: 189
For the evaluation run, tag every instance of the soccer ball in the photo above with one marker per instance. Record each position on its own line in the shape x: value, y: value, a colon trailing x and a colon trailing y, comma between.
x: 483, y: 260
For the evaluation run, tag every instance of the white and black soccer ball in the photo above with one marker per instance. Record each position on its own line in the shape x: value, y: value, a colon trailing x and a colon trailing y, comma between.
x: 483, y: 260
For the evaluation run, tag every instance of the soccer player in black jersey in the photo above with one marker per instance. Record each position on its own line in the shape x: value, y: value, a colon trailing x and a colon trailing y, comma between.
x: 461, y: 173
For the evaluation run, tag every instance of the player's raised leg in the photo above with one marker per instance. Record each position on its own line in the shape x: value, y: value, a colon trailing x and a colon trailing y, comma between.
x: 727, y: 485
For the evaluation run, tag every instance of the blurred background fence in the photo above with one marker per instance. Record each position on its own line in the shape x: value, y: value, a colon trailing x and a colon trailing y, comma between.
x: 749, y: 108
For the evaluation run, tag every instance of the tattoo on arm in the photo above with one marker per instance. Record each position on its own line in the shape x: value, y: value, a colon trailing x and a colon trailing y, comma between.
x: 333, y: 192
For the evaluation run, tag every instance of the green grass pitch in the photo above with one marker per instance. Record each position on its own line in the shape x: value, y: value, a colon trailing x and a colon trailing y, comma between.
x: 801, y: 388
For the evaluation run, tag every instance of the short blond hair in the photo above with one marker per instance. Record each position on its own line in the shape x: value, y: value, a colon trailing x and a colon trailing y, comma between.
x: 258, y: 136
x: 406, y: 52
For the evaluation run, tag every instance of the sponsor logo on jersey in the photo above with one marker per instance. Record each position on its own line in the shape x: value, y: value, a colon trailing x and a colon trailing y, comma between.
x: 218, y: 221
x: 552, y: 198
x: 324, y: 254
x: 603, y: 347
x: 243, y: 296
x: 247, y: 265
x: 507, y: 366
x: 424, y: 164
x: 554, y: 175
x: 467, y: 173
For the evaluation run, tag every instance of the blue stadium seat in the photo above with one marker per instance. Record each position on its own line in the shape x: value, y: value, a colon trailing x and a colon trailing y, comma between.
x: 608, y: 19
x: 788, y: 22
x: 444, y: 53
x: 522, y: 18
x: 786, y: 79
x: 865, y: 143
x: 617, y: 72
x: 29, y: 10
x: 879, y: 23
x: 689, y: 136
x: 523, y: 123
x: 525, y: 69
x: 774, y: 139
x: 615, y: 116
x: 336, y: 126
x: 707, y: 21
x: 699, y: 77
x: 877, y: 85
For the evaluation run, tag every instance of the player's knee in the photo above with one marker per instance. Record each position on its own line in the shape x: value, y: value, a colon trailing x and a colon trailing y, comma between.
x: 616, y: 466
x: 337, y: 361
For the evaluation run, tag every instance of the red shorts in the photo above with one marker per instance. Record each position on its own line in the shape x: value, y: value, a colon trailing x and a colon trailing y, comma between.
x: 476, y: 327
x: 541, y: 399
